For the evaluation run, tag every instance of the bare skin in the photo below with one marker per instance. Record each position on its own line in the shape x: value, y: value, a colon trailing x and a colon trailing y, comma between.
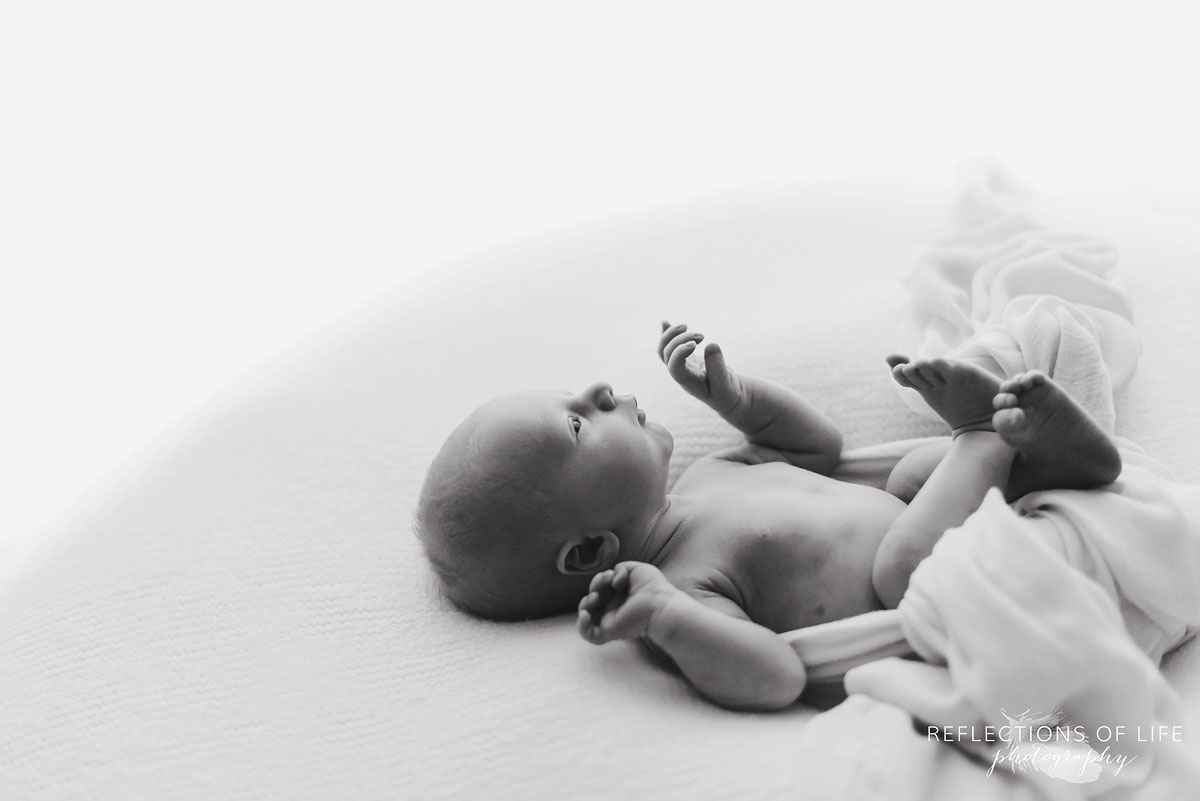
x: 1058, y: 442
x: 1059, y: 445
x: 758, y: 539
x: 978, y: 460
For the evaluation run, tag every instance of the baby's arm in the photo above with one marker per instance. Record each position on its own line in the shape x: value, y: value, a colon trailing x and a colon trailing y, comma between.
x: 732, y: 661
x: 769, y: 415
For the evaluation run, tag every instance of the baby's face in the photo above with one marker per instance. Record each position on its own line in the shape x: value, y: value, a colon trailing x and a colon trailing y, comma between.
x: 596, y: 448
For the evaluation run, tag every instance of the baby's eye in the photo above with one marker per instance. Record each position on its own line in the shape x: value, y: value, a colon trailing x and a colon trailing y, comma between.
x: 576, y: 423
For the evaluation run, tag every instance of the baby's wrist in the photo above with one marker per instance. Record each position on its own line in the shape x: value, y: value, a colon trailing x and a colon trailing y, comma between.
x: 732, y: 409
x: 669, y: 609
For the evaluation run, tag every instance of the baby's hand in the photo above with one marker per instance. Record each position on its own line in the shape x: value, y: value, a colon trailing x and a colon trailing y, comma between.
x: 716, y: 384
x: 622, y: 601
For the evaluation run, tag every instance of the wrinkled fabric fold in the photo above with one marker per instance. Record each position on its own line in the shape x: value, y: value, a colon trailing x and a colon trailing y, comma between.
x: 1137, y: 541
x: 1002, y: 291
x: 1057, y: 608
x: 1007, y: 625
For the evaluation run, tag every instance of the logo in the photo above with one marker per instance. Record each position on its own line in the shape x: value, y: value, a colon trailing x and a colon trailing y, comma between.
x: 1048, y: 744
x: 1043, y: 743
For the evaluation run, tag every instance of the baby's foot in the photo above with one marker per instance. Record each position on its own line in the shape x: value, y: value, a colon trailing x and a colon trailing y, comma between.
x: 1058, y: 443
x: 960, y: 392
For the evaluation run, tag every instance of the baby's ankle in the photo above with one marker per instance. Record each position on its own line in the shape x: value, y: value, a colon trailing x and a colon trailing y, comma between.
x: 983, y: 438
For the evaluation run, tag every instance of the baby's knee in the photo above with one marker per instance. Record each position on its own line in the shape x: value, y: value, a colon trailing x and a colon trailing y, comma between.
x: 895, y: 561
x: 904, y: 483
x: 914, y: 469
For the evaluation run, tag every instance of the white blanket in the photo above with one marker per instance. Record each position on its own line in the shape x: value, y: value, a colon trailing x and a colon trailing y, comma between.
x: 1008, y: 623
x: 1008, y: 294
x: 1064, y: 603
x: 1044, y: 606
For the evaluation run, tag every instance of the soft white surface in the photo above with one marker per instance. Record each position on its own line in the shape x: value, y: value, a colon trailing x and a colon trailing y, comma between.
x: 247, y: 615
x: 186, y: 187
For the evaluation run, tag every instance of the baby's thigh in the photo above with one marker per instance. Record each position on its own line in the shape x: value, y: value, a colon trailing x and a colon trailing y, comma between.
x: 914, y: 469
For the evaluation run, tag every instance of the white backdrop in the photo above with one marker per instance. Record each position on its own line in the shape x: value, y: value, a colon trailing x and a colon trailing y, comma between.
x: 186, y: 189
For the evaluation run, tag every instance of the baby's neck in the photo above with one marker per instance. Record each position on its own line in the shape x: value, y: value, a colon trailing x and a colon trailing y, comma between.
x: 663, y: 530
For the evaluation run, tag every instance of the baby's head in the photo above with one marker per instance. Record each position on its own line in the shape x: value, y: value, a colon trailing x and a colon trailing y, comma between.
x: 536, y: 492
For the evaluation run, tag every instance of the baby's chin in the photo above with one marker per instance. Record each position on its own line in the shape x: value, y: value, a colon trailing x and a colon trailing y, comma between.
x: 663, y: 434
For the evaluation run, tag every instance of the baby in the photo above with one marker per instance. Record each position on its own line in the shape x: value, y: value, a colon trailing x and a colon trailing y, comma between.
x: 540, y: 498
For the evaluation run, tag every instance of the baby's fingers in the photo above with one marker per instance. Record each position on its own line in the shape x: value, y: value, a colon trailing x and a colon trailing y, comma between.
x: 588, y: 602
x: 677, y: 365
x: 587, y: 627
x: 599, y: 592
x: 714, y: 362
x: 621, y: 577
x: 669, y: 332
x: 593, y: 605
x: 601, y: 580
x: 723, y: 386
x: 678, y: 341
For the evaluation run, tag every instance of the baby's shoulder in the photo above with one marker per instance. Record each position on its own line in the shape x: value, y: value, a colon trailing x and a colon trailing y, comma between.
x: 703, y: 577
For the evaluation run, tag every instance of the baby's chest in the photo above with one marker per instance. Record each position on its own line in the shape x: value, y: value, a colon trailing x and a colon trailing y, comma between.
x: 780, y: 511
x: 770, y: 538
x: 794, y: 556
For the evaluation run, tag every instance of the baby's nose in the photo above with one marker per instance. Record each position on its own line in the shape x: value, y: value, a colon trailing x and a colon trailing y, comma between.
x: 601, y: 394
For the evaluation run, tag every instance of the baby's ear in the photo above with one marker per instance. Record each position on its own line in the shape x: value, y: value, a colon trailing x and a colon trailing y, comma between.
x: 585, y: 554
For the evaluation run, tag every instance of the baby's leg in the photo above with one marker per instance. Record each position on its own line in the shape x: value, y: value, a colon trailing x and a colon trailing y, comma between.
x: 915, y: 468
x: 978, y: 460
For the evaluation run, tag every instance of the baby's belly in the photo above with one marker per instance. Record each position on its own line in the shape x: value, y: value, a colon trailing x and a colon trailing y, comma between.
x: 810, y: 561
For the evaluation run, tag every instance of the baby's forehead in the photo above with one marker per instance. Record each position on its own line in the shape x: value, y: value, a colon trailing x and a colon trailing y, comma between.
x: 530, y: 407
x: 530, y: 424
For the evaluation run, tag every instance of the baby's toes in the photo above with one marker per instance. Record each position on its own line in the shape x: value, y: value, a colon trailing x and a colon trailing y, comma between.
x: 900, y: 377
x: 1008, y: 420
x: 929, y: 374
x: 1014, y: 385
x: 1029, y: 380
x: 1004, y: 400
x: 915, y: 378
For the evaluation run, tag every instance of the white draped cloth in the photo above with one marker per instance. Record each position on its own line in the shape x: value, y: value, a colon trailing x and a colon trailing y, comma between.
x: 1057, y: 609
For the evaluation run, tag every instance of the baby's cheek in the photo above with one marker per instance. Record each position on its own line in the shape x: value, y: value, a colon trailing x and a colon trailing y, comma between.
x: 616, y: 489
x: 617, y: 486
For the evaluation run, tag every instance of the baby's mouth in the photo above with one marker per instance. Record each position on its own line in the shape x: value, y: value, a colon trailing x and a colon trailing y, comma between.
x: 641, y: 417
